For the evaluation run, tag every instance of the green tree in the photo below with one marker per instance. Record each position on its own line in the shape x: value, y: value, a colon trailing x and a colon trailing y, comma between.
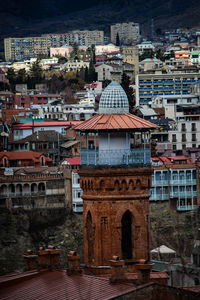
x: 36, y: 74
x: 11, y: 76
x: 75, y: 51
x: 128, y: 90
x: 21, y: 76
x: 148, y: 53
x: 117, y: 40
x: 92, y: 75
x: 62, y: 60
x: 93, y: 55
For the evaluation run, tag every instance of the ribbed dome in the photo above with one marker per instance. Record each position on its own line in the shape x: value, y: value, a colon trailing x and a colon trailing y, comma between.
x: 113, y: 100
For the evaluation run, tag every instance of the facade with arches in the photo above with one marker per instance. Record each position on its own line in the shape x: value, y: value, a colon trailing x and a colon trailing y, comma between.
x: 36, y: 191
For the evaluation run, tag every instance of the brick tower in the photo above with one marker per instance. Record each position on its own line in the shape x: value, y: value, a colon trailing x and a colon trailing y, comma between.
x: 115, y: 176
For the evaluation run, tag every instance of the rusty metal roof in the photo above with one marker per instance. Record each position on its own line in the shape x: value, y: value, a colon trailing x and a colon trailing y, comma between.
x: 115, y: 122
x: 58, y: 285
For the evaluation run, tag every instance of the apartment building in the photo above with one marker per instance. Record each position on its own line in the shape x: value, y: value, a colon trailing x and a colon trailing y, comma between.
x: 82, y: 38
x: 128, y: 32
x: 17, y: 49
x: 175, y: 179
x: 187, y: 133
x: 150, y: 85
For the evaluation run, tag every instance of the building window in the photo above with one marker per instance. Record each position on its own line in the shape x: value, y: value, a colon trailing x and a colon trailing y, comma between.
x: 193, y: 126
x: 194, y: 137
x: 183, y: 128
x: 173, y: 138
x: 183, y: 137
x: 174, y: 147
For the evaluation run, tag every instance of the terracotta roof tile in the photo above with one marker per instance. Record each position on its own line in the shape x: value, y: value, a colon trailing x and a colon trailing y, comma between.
x: 22, y: 155
x: 115, y: 121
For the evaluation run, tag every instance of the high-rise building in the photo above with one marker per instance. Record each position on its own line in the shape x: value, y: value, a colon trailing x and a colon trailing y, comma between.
x: 128, y: 32
x: 17, y: 49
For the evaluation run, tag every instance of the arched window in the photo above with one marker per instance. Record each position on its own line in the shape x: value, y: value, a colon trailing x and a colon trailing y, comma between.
x: 41, y: 187
x: 127, y: 235
x: 5, y: 162
x: 42, y: 161
x: 90, y: 238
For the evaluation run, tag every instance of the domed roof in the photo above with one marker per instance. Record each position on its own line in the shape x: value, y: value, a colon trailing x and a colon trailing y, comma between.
x: 114, y: 100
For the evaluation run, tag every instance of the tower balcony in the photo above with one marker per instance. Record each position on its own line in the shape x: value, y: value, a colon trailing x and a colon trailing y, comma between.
x: 117, y: 157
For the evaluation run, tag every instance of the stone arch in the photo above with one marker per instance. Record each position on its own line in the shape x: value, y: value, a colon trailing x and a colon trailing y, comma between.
x: 11, y: 188
x: 102, y: 185
x: 124, y: 185
x: 116, y: 185
x: 34, y: 188
x: 26, y: 188
x: 90, y: 237
x: 130, y: 185
x: 19, y: 189
x: 138, y: 182
x: 92, y: 187
x: 41, y: 187
x: 3, y: 189
x: 89, y: 185
x: 127, y: 235
x: 196, y: 281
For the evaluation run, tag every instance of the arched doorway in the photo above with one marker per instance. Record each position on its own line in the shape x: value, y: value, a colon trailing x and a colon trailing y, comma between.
x: 127, y: 239
x: 90, y: 238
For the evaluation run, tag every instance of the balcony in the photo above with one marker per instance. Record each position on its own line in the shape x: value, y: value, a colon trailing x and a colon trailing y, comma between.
x: 116, y: 157
x: 186, y: 207
x: 186, y: 181
x: 159, y: 197
x: 160, y: 182
x: 183, y: 195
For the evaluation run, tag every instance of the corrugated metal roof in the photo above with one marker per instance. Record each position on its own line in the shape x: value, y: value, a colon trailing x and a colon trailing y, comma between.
x: 115, y: 121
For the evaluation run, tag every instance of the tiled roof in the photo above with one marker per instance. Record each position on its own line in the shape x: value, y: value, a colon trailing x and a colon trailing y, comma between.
x: 115, y: 121
x: 46, y: 124
x: 23, y: 155
x: 73, y: 161
x: 58, y: 285
x: 42, y: 136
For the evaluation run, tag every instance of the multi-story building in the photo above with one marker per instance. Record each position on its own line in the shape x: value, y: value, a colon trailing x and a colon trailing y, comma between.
x: 150, y: 85
x: 131, y: 56
x: 39, y: 189
x: 176, y: 179
x: 128, y: 32
x: 17, y: 49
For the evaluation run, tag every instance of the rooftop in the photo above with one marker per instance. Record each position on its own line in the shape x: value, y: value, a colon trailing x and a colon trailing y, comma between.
x: 115, y: 121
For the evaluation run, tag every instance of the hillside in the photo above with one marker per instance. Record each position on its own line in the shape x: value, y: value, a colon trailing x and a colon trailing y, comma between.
x: 20, y: 17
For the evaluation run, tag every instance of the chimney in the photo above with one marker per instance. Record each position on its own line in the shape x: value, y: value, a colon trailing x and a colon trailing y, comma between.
x: 31, y: 260
x: 73, y: 263
x: 118, y: 274
x: 49, y: 258
x: 143, y: 270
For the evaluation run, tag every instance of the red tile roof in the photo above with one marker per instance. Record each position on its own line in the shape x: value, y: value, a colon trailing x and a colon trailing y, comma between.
x: 58, y: 285
x: 115, y: 121
x: 23, y: 155
x: 73, y: 161
x: 46, y: 124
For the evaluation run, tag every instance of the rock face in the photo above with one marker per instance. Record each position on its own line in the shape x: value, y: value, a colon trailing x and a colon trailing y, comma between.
x: 173, y: 229
x: 18, y: 233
